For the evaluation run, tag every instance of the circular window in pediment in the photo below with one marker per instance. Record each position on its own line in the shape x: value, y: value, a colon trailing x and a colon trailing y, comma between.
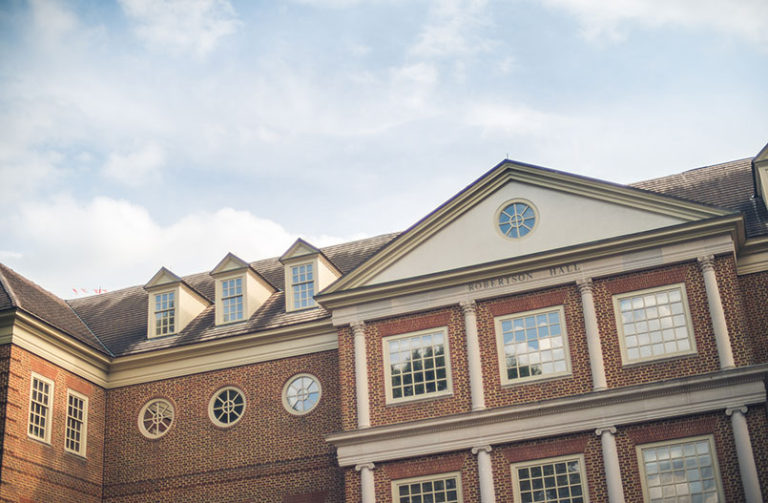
x: 516, y: 219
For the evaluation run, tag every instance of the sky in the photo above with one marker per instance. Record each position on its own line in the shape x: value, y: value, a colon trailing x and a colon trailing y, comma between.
x: 136, y: 134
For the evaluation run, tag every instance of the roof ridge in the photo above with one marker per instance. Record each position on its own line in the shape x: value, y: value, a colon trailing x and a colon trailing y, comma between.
x: 7, y: 287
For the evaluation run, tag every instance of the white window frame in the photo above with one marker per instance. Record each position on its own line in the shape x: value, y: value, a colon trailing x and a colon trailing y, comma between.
x: 286, y: 401
x: 712, y: 452
x: 313, y: 282
x: 140, y: 420
x: 388, y: 370
x: 220, y: 291
x: 623, y: 337
x: 153, y: 316
x: 549, y: 461
x: 499, y: 320
x: 84, y: 424
x: 48, y: 417
x: 427, y: 478
x: 212, y: 401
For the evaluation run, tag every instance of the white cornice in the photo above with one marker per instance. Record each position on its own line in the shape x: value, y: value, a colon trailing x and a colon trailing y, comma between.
x: 590, y: 411
x: 38, y: 338
x: 26, y: 332
x: 222, y: 353
x: 518, y: 276
x: 648, y: 241
x: 753, y: 256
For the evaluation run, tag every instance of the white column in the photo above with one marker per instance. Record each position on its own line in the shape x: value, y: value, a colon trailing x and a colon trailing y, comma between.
x: 473, y: 355
x: 716, y: 312
x: 593, y: 335
x: 747, y: 468
x: 611, y: 464
x: 485, y: 473
x: 361, y: 376
x: 367, y: 487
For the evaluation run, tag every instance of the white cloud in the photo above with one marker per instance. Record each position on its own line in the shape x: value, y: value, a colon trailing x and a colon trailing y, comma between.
x: 136, y: 168
x: 743, y: 18
x: 113, y: 243
x: 182, y: 25
x: 508, y: 120
x: 455, y: 29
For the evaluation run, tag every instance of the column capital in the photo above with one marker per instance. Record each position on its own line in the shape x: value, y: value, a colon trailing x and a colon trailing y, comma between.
x: 369, y: 466
x: 358, y: 327
x: 482, y: 448
x: 731, y: 410
x: 605, y: 429
x: 707, y: 263
x: 468, y: 306
x: 584, y: 285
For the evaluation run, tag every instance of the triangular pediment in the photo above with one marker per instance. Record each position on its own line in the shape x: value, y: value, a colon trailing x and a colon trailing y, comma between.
x: 299, y: 249
x: 568, y: 211
x: 229, y: 263
x: 163, y: 277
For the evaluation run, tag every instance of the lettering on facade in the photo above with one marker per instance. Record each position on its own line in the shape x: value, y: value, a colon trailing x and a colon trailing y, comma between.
x: 522, y: 277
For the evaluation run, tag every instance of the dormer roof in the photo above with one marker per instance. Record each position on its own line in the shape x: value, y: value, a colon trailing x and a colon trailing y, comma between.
x: 231, y: 263
x: 163, y: 277
x: 299, y: 249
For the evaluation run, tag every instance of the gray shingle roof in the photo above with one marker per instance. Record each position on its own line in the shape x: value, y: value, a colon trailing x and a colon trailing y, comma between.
x: 728, y: 185
x: 119, y: 318
x: 16, y: 291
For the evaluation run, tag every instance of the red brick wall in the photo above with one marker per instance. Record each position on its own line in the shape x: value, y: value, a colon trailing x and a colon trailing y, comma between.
x: 464, y: 462
x: 268, y: 455
x: 587, y: 444
x: 5, y: 363
x: 716, y: 424
x: 580, y: 380
x: 37, y: 472
x: 754, y: 291
x: 459, y: 401
x: 704, y: 360
x: 347, y: 379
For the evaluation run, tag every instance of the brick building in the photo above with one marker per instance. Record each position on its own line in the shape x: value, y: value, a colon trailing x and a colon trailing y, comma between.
x: 540, y: 336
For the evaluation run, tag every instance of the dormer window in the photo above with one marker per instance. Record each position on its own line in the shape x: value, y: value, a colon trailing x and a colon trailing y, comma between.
x: 303, y: 286
x: 165, y: 313
x: 172, y: 304
x: 307, y: 271
x: 240, y: 290
x: 232, y: 299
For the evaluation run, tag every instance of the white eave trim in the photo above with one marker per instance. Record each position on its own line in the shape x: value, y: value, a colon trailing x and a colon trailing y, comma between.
x: 223, y: 353
x: 615, y: 407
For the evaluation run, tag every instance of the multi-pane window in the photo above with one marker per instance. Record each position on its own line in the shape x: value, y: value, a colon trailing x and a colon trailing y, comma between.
x: 681, y: 470
x: 232, y: 300
x: 557, y: 480
x: 303, y: 285
x: 417, y: 365
x: 156, y: 418
x: 40, y: 403
x: 440, y: 488
x: 165, y: 313
x: 77, y: 417
x: 226, y: 406
x: 654, y: 323
x: 532, y: 345
x: 301, y: 394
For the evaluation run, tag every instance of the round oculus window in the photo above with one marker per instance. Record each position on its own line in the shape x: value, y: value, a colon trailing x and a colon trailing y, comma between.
x: 226, y: 406
x: 156, y: 418
x: 301, y: 394
x: 517, y: 219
